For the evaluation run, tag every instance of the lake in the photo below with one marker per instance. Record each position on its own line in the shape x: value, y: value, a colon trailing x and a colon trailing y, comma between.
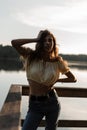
x: 71, y: 108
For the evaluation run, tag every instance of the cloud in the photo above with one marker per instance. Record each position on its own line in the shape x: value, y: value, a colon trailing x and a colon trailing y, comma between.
x: 73, y: 19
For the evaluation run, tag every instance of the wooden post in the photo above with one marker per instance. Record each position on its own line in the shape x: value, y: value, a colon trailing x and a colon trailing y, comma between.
x: 10, y: 112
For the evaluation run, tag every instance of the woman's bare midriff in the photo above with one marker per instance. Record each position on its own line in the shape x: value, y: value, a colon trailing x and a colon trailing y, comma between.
x: 38, y: 89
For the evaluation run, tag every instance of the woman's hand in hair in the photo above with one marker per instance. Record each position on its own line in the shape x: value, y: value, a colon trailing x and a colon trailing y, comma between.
x: 39, y: 35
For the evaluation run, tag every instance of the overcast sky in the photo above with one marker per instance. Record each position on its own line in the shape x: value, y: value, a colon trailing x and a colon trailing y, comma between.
x: 66, y: 19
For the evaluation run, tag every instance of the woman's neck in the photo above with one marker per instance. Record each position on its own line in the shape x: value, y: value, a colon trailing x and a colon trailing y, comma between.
x: 46, y: 56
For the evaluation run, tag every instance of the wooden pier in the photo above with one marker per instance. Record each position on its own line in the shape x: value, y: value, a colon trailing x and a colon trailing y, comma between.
x: 10, y: 115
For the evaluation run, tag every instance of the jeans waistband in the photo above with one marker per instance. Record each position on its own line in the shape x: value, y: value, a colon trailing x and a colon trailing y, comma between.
x: 43, y: 98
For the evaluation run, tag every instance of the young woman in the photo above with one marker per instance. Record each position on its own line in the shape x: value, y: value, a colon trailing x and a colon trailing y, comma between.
x: 43, y: 67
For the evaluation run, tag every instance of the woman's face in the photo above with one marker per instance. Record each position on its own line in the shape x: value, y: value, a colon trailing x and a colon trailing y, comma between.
x: 48, y: 43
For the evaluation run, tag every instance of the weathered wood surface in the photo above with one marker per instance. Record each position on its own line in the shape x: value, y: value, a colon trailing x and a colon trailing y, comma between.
x: 62, y: 92
x: 11, y: 110
x: 65, y: 123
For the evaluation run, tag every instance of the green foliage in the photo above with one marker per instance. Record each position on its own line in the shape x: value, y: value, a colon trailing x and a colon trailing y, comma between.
x: 8, y: 52
x: 10, y: 59
x: 79, y: 57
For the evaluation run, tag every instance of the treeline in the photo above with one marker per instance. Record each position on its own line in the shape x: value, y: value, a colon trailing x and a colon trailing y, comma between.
x: 8, y: 52
x: 73, y: 57
x: 9, y: 58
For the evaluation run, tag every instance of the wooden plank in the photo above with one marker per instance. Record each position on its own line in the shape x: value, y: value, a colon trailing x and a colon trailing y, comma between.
x: 62, y: 92
x: 25, y: 90
x: 65, y: 123
x: 11, y: 110
x: 72, y: 92
x: 72, y: 123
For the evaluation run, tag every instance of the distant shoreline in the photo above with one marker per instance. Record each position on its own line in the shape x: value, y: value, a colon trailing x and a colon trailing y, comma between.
x: 8, y: 52
x: 16, y: 64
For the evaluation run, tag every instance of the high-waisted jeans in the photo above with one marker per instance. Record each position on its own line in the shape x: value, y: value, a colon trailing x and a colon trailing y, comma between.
x: 49, y: 108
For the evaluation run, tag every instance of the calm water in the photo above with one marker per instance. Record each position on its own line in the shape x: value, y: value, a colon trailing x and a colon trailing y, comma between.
x: 71, y: 108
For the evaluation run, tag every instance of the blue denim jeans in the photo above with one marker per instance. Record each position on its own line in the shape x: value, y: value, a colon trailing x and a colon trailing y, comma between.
x: 49, y: 109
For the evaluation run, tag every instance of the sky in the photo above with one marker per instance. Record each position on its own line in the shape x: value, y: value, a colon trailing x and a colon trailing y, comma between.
x: 66, y: 19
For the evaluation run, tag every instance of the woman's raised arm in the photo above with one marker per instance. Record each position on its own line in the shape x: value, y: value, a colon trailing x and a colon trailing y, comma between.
x: 70, y: 78
x: 17, y: 44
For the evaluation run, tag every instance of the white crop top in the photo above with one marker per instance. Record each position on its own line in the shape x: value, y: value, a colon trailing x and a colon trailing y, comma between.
x: 45, y: 73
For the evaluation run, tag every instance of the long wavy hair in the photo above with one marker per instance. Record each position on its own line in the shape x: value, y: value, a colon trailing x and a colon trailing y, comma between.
x: 37, y: 54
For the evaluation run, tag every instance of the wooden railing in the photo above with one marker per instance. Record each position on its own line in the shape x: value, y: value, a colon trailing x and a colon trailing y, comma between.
x: 10, y: 115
